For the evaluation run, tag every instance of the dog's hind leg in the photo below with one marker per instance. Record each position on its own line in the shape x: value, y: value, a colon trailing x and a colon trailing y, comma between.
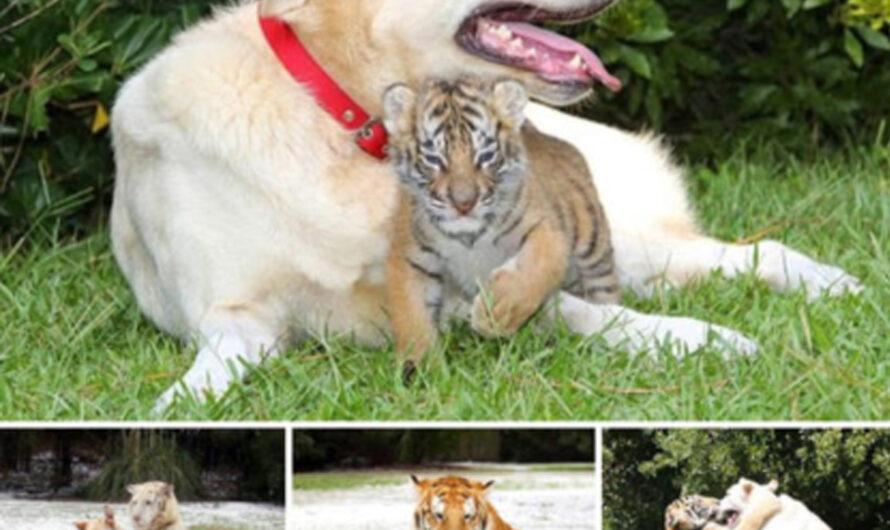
x: 690, y: 257
x: 232, y: 338
x: 623, y: 327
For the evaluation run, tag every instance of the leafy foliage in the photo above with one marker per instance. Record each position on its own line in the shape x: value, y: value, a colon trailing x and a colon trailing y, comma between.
x: 843, y: 476
x: 704, y: 71
x: 708, y: 71
x: 62, y: 63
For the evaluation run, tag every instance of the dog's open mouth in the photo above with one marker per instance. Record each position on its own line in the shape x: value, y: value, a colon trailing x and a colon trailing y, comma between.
x: 506, y: 34
x: 732, y: 519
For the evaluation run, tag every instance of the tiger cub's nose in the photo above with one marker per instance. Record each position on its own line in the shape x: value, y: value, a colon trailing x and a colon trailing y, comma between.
x: 464, y: 200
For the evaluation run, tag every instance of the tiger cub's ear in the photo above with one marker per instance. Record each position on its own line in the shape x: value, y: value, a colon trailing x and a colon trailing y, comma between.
x: 509, y: 98
x: 398, y: 108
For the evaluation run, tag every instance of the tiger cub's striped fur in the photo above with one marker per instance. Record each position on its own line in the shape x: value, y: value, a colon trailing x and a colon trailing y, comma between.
x: 455, y: 503
x: 691, y: 512
x: 486, y: 199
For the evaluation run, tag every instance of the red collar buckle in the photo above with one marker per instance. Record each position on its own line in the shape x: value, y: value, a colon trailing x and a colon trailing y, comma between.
x: 371, y: 135
x: 372, y: 138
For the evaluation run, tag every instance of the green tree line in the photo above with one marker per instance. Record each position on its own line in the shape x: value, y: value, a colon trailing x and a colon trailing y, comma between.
x: 323, y: 449
x: 126, y: 457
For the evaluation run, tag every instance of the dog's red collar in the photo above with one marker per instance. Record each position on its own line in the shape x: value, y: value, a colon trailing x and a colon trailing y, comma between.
x: 370, y: 133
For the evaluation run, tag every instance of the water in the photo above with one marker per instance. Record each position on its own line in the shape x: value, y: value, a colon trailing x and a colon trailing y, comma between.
x: 526, y: 500
x: 60, y: 515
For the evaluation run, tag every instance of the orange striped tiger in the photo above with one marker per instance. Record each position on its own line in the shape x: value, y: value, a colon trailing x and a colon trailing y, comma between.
x: 691, y: 512
x: 455, y: 503
x: 486, y: 199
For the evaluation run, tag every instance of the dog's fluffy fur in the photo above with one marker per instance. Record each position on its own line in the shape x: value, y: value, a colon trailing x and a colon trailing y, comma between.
x: 748, y: 496
x: 246, y: 218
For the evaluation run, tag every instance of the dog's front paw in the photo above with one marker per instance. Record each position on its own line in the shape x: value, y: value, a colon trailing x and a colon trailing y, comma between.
x: 197, y: 386
x: 167, y: 399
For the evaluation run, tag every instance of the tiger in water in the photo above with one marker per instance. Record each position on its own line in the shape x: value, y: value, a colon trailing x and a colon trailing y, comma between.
x: 455, y: 503
x: 488, y: 201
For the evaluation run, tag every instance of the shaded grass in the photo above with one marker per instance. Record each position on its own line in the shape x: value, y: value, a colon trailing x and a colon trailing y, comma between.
x: 73, y: 344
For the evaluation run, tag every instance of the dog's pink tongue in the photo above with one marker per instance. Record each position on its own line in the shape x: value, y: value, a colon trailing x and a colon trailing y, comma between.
x: 564, y: 44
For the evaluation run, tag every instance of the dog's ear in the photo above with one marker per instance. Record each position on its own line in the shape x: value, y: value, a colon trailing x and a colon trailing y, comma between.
x: 509, y: 98
x: 488, y: 484
x: 132, y: 489
x: 167, y: 490
x: 747, y: 487
x: 773, y: 485
x: 81, y: 525
x: 398, y: 108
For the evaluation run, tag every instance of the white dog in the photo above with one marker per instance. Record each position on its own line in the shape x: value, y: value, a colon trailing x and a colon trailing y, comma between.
x: 793, y: 515
x: 245, y: 217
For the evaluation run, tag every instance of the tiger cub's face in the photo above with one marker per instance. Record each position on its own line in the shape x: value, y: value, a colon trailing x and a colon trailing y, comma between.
x: 691, y: 512
x: 451, y: 503
x: 457, y: 149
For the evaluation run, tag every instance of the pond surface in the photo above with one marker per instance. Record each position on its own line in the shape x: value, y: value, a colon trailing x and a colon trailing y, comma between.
x: 60, y: 515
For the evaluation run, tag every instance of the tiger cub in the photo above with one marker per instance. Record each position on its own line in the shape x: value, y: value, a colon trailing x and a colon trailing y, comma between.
x: 455, y: 503
x: 486, y: 200
x: 692, y: 512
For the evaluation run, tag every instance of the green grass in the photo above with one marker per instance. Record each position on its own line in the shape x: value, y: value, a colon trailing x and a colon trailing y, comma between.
x: 348, y: 480
x: 73, y: 344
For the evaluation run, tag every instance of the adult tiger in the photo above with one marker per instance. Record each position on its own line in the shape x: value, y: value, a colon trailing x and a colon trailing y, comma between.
x: 455, y: 503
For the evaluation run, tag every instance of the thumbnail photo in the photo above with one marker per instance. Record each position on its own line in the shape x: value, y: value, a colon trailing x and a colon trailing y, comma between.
x: 438, y: 478
x: 200, y: 479
x: 785, y: 479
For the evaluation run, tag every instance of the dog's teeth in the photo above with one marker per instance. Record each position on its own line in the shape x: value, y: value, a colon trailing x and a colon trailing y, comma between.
x: 516, y: 43
x: 503, y: 32
x: 576, y: 63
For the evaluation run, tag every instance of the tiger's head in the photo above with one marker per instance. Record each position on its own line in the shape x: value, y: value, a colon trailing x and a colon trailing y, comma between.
x: 457, y: 149
x: 692, y: 512
x: 451, y: 503
x: 152, y: 505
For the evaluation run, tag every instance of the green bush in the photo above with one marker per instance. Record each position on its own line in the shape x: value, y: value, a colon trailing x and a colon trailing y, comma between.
x: 710, y: 71
x: 705, y: 71
x: 843, y: 476
x: 147, y: 456
x: 62, y: 63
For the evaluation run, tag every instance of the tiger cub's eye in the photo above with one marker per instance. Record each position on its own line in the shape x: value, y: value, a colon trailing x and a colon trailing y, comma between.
x: 484, y: 158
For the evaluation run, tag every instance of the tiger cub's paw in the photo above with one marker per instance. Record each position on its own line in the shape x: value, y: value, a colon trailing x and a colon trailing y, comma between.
x: 502, y: 310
